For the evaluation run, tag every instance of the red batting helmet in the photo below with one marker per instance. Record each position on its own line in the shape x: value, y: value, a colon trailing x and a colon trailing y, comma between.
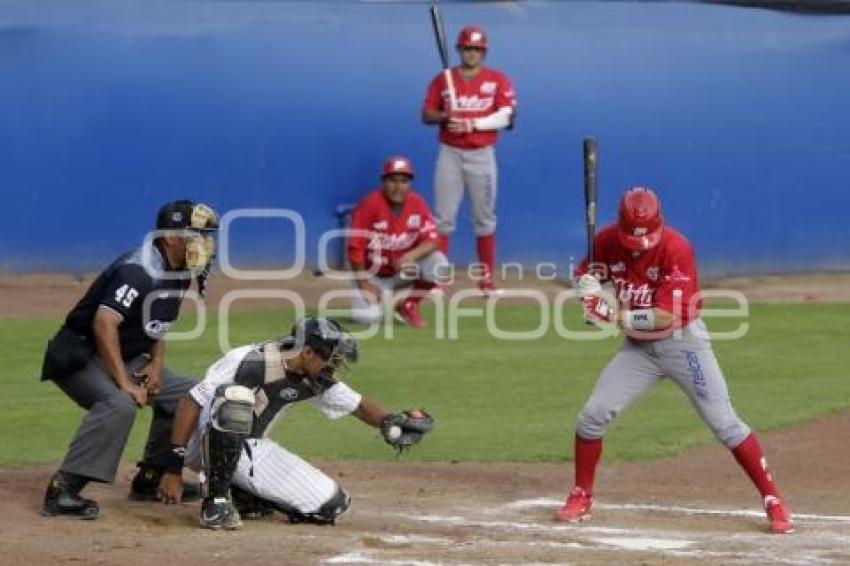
x: 640, y: 222
x: 472, y: 36
x: 398, y: 164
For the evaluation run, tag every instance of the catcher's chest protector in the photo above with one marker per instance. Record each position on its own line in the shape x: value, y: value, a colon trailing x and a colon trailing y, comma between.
x: 274, y: 388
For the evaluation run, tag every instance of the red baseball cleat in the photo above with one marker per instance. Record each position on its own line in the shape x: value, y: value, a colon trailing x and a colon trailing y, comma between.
x: 576, y: 508
x: 779, y: 515
x: 408, y: 313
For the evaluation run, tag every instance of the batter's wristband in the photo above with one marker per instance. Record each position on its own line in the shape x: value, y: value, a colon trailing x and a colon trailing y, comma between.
x: 641, y: 319
x: 176, y: 459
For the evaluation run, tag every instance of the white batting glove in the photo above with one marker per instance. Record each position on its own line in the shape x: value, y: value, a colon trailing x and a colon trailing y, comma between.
x: 588, y: 286
x: 460, y: 125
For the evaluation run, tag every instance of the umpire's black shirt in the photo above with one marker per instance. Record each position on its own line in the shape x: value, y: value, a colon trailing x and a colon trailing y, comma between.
x: 139, y: 287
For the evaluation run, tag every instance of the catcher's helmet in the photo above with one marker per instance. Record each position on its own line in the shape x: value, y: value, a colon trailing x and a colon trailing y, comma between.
x: 472, y: 36
x: 397, y: 164
x: 640, y: 221
x: 325, y: 337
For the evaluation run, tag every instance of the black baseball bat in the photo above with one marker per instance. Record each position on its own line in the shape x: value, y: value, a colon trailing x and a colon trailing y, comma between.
x: 442, y: 46
x: 590, y: 169
x: 440, y: 34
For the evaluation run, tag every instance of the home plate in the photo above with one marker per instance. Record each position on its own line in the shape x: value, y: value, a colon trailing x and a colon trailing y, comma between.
x: 637, y: 543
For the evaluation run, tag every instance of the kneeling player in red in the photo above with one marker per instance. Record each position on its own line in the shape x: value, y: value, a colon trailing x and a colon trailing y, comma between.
x: 652, y: 269
x: 392, y: 246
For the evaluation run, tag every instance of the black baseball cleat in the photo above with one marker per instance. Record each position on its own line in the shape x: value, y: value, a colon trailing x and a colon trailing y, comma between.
x: 62, y: 498
x: 145, y: 486
x: 219, y: 513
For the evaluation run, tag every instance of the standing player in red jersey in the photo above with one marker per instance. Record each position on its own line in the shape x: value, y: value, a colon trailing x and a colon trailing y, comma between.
x: 469, y: 116
x: 652, y: 269
x: 394, y: 245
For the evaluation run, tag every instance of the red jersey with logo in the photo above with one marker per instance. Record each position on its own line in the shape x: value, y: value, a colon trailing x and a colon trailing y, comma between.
x: 391, y: 233
x: 664, y: 276
x: 477, y: 97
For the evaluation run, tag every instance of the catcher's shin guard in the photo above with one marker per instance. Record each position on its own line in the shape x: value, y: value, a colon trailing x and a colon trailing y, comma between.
x: 230, y: 423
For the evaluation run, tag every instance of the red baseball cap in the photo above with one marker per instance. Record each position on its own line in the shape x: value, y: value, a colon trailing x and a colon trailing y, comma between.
x: 398, y: 164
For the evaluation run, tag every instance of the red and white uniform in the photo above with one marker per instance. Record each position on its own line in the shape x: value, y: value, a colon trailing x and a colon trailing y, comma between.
x: 477, y: 97
x: 466, y: 163
x: 391, y: 234
x: 663, y: 277
x: 659, y: 275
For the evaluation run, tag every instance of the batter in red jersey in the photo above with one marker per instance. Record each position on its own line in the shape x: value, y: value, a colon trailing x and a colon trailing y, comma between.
x: 393, y: 245
x: 470, y: 104
x: 652, y: 270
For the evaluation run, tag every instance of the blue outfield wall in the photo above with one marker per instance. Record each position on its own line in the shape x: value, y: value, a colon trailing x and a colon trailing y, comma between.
x: 737, y: 116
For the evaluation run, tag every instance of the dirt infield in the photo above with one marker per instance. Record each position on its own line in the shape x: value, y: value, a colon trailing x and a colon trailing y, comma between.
x: 696, y: 508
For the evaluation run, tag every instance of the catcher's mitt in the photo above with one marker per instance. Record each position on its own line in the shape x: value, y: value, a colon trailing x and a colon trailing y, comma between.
x: 403, y: 430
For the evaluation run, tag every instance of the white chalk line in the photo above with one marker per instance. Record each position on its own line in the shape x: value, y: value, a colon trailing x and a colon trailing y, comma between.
x: 554, y: 503
x: 773, y: 549
x: 359, y: 557
x: 673, y: 543
x: 404, y: 540
x: 600, y: 539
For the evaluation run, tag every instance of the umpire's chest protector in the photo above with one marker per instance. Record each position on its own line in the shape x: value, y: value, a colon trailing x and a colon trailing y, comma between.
x: 274, y: 388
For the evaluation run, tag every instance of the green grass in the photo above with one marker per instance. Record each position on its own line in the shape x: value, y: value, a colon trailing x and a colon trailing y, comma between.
x: 493, y: 399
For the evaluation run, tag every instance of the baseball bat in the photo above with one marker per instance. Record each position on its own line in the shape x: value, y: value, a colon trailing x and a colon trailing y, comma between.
x: 442, y: 46
x: 590, y: 169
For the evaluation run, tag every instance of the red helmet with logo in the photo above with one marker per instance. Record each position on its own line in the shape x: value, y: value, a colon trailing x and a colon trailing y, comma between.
x: 398, y: 164
x: 472, y: 36
x: 640, y: 222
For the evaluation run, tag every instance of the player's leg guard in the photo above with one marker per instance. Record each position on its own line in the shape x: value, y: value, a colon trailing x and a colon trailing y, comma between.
x: 324, y: 515
x: 232, y: 416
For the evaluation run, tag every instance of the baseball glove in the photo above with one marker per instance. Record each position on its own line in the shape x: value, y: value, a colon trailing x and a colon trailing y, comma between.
x: 403, y: 430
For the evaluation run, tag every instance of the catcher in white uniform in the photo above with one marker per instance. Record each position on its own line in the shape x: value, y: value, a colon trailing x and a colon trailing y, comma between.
x: 221, y: 426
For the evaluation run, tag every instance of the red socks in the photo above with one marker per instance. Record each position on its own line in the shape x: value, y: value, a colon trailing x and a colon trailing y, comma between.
x: 587, y: 454
x: 749, y: 455
x: 420, y: 289
x: 486, y: 246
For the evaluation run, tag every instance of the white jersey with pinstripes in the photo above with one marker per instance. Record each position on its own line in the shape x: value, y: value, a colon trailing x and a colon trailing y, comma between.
x: 270, y: 471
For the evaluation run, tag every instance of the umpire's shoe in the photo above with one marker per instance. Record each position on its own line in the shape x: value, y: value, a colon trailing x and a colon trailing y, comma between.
x: 219, y: 513
x: 145, y: 486
x: 62, y: 498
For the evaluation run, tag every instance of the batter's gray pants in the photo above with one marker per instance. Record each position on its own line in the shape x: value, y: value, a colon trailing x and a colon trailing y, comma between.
x: 97, y: 447
x: 689, y: 361
x: 459, y: 169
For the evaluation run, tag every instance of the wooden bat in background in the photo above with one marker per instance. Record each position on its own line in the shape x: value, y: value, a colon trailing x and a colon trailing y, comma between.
x: 442, y: 47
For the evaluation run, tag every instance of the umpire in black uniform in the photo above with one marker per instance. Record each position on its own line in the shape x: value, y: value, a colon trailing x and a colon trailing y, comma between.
x: 108, y: 357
